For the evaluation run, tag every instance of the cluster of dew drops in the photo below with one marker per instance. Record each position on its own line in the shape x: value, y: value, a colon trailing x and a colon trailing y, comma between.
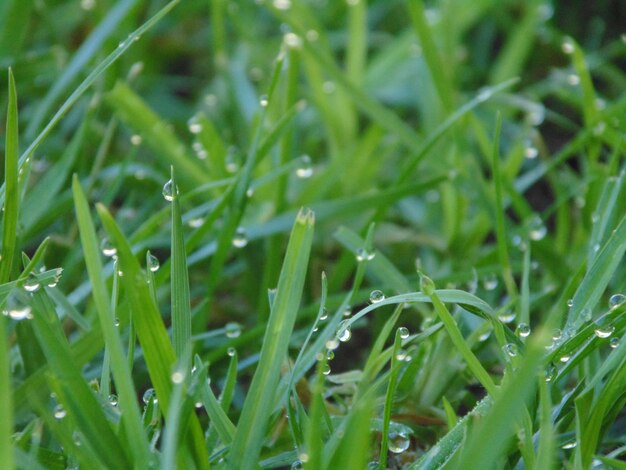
x: 15, y: 308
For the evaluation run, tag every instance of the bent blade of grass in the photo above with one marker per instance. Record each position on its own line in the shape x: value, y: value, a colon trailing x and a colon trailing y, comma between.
x: 119, y: 365
x: 428, y: 287
x: 79, y: 61
x: 256, y: 410
x: 9, y: 232
x: 181, y: 307
x: 598, y: 275
x: 157, y: 349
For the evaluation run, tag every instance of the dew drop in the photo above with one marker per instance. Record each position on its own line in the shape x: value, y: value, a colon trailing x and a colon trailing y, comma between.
x: 398, y: 442
x: 523, y: 330
x: 567, y: 46
x: 565, y: 358
x: 332, y: 344
x: 148, y: 396
x: 530, y: 152
x: 344, y: 331
x: 112, y: 400
x: 32, y: 283
x: 178, y: 377
x: 376, y: 296
x: 537, y: 230
x: 59, y: 412
x: 231, y: 351
x: 604, y: 332
x: 263, y: 101
x: 511, y: 349
x: 569, y: 444
x: 232, y: 329
x: 557, y: 334
x: 570, y: 302
x: 168, y: 191
x: 326, y: 370
x: 136, y: 139
x: 551, y: 372
x: 573, y: 79
x: 490, y: 282
x: 330, y: 355
x: 614, y: 343
x: 401, y: 355
x: 373, y: 465
x: 305, y: 170
x: 485, y: 336
x: 231, y: 161
x: 292, y: 40
x: 347, y: 311
x: 196, y: 222
x: 616, y: 300
x: 312, y: 35
x: 153, y: 263
x: 297, y: 465
x: 324, y: 314
x: 194, y: 126
x: 404, y: 332
x: 107, y: 248
x: 506, y: 317
x: 241, y: 238
x: 282, y: 4
x: 15, y: 309
x: 364, y: 255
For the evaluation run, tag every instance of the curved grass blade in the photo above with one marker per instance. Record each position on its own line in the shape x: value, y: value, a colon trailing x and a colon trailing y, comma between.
x: 250, y: 432
x: 119, y: 365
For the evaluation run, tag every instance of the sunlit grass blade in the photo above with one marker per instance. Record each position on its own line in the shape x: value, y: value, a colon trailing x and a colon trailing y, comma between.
x: 181, y: 308
x: 119, y: 365
x: 256, y: 409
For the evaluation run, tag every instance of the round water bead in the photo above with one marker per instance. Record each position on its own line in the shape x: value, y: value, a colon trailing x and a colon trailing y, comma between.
x: 264, y: 101
x: 241, y: 238
x: 604, y: 331
x: 107, y: 247
x: 149, y: 396
x: 511, y: 349
x: 305, y: 170
x: 398, y: 442
x: 332, y: 344
x: 113, y: 399
x: 404, y: 332
x: 377, y: 296
x: 490, y: 282
x: 344, y: 333
x: 153, y: 263
x: 614, y: 343
x: 364, y: 255
x: 59, y: 412
x: 15, y: 309
x: 168, y: 191
x: 231, y: 351
x: 232, y: 329
x: 616, y: 300
x: 32, y: 283
x: 523, y: 330
x: 326, y: 370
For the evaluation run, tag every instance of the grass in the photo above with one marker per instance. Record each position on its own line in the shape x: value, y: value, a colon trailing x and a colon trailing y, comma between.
x: 393, y: 235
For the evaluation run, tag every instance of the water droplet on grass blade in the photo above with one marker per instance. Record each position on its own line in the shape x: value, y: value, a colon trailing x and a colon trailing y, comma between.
x: 231, y: 351
x: 107, y: 248
x: 153, y: 263
x: 233, y: 330
x: 149, y: 396
x: 604, y: 332
x: 377, y: 296
x: 305, y: 170
x: 616, y: 300
x: 168, y: 191
x: 551, y: 372
x: 511, y: 349
x: 15, y: 308
x: 263, y: 101
x: 32, y: 283
x: 178, y: 377
x: 297, y: 465
x: 326, y: 370
x: 506, y: 317
x: 344, y: 333
x: 332, y: 344
x: 112, y: 400
x: 614, y: 343
x: 523, y: 330
x: 404, y: 332
x: 398, y: 442
x: 567, y: 46
x: 569, y: 444
x: 59, y: 412
x: 347, y: 311
x: 241, y: 238
x: 490, y: 282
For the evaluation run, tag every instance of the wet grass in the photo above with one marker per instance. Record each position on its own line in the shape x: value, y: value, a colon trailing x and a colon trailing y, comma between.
x: 312, y: 234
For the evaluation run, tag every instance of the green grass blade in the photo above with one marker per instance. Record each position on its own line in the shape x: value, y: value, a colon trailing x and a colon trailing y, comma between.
x: 157, y: 349
x: 9, y: 228
x: 72, y: 389
x: 255, y: 413
x: 428, y: 288
x: 181, y: 308
x: 391, y: 388
x: 119, y: 365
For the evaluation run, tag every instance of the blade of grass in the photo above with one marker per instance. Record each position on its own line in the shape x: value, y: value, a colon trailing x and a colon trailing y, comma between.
x: 9, y: 229
x: 119, y: 365
x: 181, y: 307
x: 395, y: 369
x: 256, y: 409
x: 157, y: 349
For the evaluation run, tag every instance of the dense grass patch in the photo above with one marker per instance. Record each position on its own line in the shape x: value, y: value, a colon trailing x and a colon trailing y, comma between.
x: 312, y: 234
